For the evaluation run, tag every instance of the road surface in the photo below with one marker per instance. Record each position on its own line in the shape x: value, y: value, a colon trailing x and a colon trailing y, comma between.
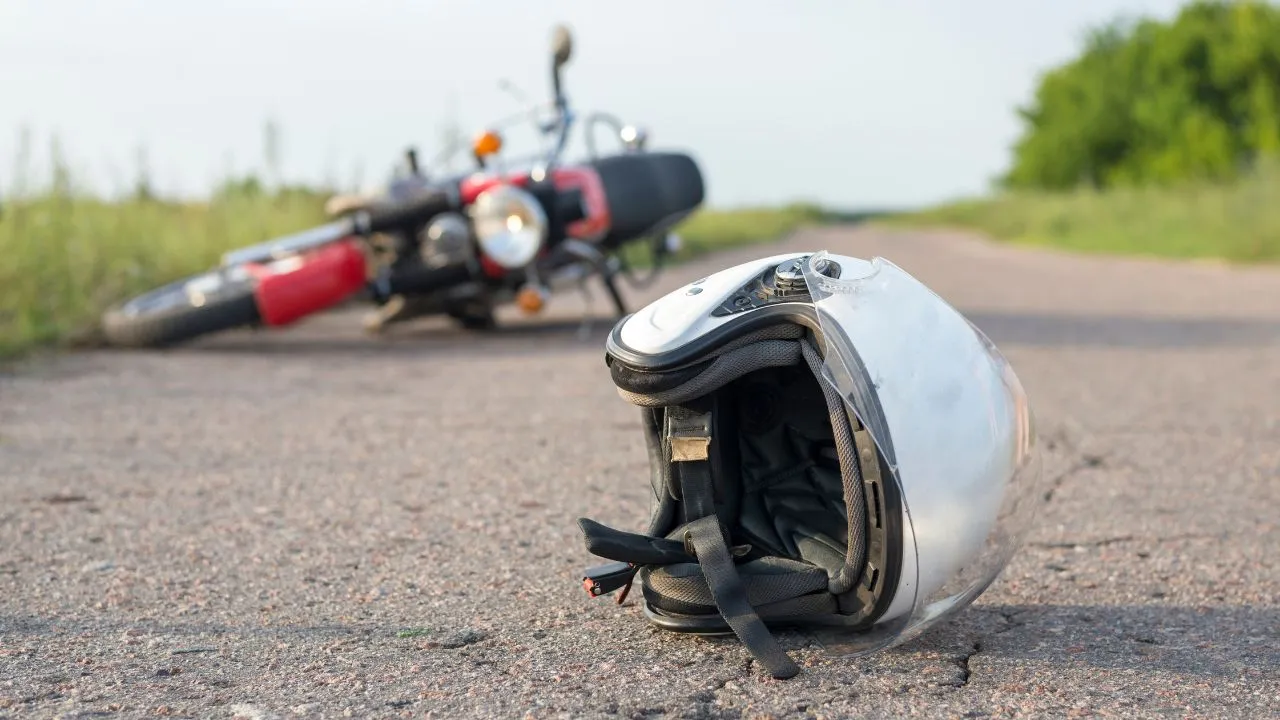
x: 320, y: 524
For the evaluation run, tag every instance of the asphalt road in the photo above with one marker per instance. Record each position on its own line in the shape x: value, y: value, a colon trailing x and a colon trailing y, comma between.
x: 319, y: 524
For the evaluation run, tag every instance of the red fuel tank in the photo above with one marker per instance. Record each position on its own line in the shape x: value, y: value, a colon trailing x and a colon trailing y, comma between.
x: 291, y: 289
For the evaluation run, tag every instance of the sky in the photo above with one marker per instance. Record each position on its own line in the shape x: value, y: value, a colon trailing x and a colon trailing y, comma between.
x: 850, y: 103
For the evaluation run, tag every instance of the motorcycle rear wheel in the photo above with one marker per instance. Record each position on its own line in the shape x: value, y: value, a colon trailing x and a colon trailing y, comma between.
x: 182, y: 311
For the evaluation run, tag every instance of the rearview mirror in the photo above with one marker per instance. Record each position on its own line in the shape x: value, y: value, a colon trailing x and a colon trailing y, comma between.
x: 561, y: 45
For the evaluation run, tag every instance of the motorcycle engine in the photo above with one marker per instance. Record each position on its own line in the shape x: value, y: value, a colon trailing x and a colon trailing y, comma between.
x: 446, y: 240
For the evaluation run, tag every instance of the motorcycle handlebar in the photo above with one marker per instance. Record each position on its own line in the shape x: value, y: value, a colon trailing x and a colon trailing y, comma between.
x: 562, y: 50
x: 557, y: 85
x: 405, y: 214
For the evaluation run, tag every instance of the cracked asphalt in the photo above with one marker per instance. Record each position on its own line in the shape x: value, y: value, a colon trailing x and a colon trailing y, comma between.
x: 315, y: 523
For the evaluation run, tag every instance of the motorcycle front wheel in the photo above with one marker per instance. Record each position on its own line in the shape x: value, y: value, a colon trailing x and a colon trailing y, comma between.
x: 184, y: 310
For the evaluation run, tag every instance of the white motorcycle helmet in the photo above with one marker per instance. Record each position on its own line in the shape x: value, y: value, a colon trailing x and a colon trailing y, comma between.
x: 831, y: 444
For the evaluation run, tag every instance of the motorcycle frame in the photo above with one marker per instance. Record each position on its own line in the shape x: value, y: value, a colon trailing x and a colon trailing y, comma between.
x: 572, y: 258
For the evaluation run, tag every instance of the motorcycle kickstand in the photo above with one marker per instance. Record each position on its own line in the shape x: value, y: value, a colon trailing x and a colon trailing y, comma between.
x: 377, y: 321
x: 614, y: 293
x: 584, y: 327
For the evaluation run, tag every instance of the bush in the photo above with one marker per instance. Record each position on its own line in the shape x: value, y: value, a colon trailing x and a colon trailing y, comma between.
x: 1153, y: 103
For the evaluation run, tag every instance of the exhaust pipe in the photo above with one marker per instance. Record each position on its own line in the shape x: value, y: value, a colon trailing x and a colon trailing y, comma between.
x: 420, y: 281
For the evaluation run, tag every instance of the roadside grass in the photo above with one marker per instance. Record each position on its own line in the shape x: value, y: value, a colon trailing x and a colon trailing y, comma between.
x: 1237, y: 221
x: 67, y: 256
x: 712, y: 230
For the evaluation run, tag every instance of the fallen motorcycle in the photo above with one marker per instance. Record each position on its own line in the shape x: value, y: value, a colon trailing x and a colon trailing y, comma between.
x: 510, y: 231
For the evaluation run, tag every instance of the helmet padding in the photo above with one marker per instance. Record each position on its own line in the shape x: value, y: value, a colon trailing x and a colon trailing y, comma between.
x: 761, y: 512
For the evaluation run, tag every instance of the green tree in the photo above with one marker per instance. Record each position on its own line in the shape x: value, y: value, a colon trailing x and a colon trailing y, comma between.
x: 1150, y: 102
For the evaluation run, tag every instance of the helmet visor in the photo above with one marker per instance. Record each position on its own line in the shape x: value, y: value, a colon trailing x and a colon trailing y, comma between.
x: 952, y: 422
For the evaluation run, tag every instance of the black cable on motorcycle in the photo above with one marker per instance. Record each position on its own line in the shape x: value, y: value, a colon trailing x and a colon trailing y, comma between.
x: 659, y: 253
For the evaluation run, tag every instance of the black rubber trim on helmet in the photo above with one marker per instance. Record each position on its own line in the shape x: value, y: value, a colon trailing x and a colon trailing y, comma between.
x: 892, y: 516
x: 627, y: 378
x: 712, y: 623
x: 884, y: 521
x: 801, y: 313
x: 709, y: 624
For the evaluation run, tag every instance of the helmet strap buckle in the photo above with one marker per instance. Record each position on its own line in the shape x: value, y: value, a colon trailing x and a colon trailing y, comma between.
x: 688, y: 434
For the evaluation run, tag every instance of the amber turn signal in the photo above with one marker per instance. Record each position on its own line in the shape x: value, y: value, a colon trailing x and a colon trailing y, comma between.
x: 530, y: 300
x: 487, y: 143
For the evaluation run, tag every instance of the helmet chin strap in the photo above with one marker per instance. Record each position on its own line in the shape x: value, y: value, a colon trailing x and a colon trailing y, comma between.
x: 689, y: 437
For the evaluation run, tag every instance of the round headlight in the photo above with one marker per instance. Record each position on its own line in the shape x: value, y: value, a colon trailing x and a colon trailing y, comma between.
x: 510, y: 225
